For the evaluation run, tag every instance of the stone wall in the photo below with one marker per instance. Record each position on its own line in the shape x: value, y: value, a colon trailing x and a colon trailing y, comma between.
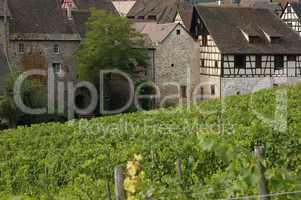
x: 66, y: 56
x: 235, y: 86
x: 4, y: 68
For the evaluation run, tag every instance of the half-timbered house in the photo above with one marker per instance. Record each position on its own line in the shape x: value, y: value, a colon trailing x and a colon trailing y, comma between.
x: 243, y: 50
x: 292, y: 15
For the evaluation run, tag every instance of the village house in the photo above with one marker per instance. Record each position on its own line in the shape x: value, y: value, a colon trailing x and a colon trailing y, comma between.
x: 244, y: 50
x: 44, y: 34
x: 162, y: 11
x: 174, y: 59
x: 292, y: 15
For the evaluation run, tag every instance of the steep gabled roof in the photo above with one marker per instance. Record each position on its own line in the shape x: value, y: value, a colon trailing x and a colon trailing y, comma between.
x: 99, y: 4
x: 225, y: 25
x: 156, y: 32
x: 296, y: 7
x: 274, y: 5
x: 123, y: 7
x: 38, y: 16
x: 164, y: 10
x: 80, y: 20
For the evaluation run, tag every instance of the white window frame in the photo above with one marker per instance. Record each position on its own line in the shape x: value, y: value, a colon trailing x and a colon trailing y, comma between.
x: 21, y: 48
x: 56, y: 49
x: 57, y: 65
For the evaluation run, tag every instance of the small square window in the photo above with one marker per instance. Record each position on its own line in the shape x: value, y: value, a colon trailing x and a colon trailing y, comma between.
x: 21, y: 48
x: 56, y: 49
x: 178, y: 32
x: 212, y: 88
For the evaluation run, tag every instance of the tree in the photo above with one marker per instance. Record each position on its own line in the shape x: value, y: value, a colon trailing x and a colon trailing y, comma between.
x: 32, y: 93
x: 110, y: 43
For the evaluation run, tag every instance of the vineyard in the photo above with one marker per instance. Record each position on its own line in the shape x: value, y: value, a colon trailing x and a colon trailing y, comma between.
x: 211, y: 143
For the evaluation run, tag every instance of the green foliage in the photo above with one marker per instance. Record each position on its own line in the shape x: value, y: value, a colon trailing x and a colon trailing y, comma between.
x: 110, y: 43
x: 32, y: 93
x: 214, y: 140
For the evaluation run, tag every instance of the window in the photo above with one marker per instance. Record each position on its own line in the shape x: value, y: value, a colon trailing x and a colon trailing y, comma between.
x: 216, y: 64
x: 204, y: 40
x: 183, y: 91
x: 203, y: 63
x: 21, y: 48
x: 140, y: 17
x: 275, y: 39
x: 56, y: 49
x: 253, y: 39
x: 178, y: 32
x: 258, y: 61
x: 152, y: 17
x: 291, y: 58
x: 240, y: 61
x: 212, y: 88
x: 57, y: 68
x: 202, y: 92
x: 279, y: 62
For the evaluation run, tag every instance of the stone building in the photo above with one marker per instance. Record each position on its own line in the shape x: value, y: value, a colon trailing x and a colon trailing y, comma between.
x: 244, y: 50
x: 44, y: 34
x: 174, y: 59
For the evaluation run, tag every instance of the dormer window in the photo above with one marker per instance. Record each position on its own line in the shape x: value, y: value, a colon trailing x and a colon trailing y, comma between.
x: 272, y: 36
x: 251, y: 34
x: 253, y: 39
x: 151, y: 17
x: 275, y: 39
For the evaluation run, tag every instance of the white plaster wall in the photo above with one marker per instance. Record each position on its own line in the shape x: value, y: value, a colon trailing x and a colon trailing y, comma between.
x: 207, y: 82
x: 234, y: 86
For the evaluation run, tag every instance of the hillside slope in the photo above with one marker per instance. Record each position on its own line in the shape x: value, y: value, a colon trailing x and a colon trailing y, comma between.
x: 214, y: 141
